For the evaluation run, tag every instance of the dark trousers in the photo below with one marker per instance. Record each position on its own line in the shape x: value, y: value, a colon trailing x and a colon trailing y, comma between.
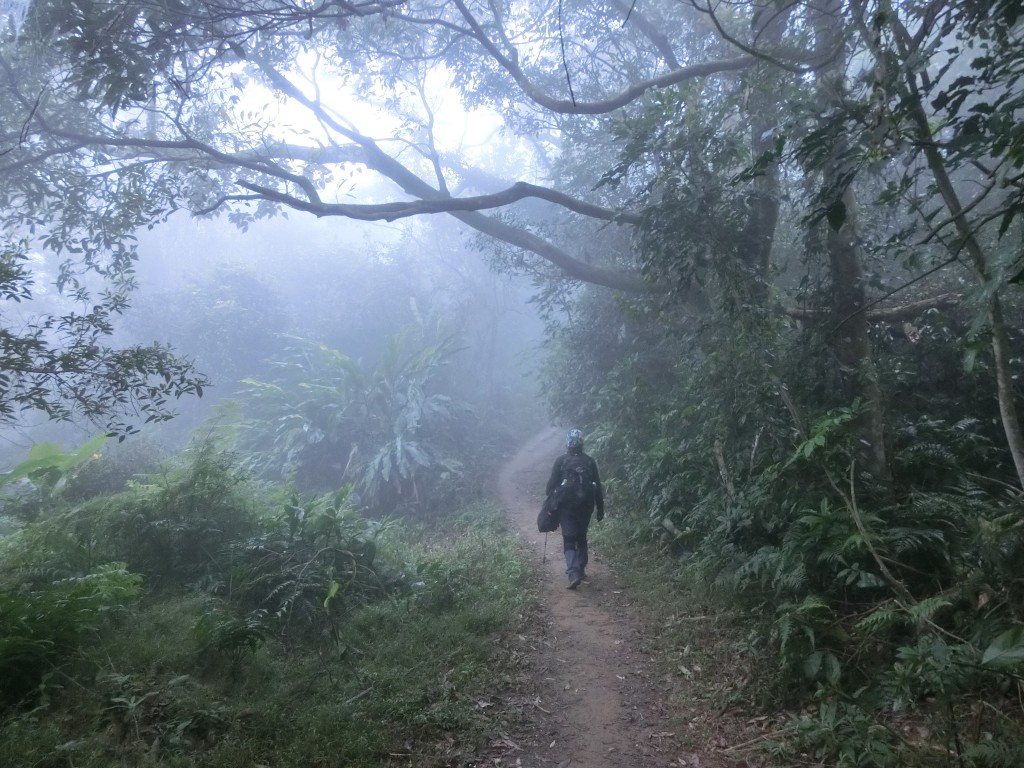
x: 576, y: 558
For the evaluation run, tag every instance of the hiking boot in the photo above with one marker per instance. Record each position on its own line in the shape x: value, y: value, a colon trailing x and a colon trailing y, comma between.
x: 575, y: 582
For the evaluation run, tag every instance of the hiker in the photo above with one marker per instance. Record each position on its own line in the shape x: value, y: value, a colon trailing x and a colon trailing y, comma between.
x: 575, y: 475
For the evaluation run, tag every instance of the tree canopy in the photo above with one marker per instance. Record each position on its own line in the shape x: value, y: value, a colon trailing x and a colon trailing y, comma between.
x: 645, y: 147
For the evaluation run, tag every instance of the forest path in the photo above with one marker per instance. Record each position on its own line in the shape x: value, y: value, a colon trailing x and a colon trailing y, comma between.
x: 600, y: 703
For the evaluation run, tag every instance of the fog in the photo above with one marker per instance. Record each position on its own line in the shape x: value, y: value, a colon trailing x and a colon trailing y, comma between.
x: 344, y: 284
x: 233, y: 300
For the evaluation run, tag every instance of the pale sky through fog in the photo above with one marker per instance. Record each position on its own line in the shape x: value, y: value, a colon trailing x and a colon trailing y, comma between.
x: 475, y: 138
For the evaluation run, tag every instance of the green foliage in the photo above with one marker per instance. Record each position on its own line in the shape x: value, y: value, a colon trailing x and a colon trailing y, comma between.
x: 117, y: 54
x: 174, y: 527
x: 308, y: 576
x: 737, y: 439
x: 976, y: 105
x: 47, y: 465
x: 113, y: 470
x: 732, y: 407
x: 471, y: 577
x: 231, y: 636
x: 766, y: 504
x: 388, y: 430
x: 46, y: 469
x: 179, y: 525
x: 209, y: 681
x: 42, y: 626
x: 1006, y: 650
x: 800, y: 630
x: 843, y: 732
x: 59, y: 364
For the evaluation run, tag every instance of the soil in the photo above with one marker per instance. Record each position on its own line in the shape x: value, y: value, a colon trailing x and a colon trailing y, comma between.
x: 594, y: 697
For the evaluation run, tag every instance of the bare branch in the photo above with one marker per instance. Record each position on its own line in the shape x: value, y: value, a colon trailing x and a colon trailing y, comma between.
x: 440, y: 204
x: 412, y: 184
x: 630, y: 94
x: 431, y: 153
x: 660, y: 41
x: 751, y: 50
x: 23, y: 134
x: 889, y: 314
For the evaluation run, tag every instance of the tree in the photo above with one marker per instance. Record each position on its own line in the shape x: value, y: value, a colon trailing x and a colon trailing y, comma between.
x: 805, y: 210
x: 842, y: 243
x: 976, y: 105
x: 235, y: 165
x: 61, y: 364
x: 118, y: 116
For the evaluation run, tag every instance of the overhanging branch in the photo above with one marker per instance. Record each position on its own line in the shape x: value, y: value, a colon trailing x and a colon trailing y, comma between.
x: 603, y: 106
x: 889, y: 314
x: 401, y: 210
x: 386, y: 165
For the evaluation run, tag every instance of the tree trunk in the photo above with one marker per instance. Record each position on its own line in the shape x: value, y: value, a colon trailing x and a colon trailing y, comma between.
x: 1004, y: 386
x: 968, y: 241
x: 851, y: 343
x: 758, y: 234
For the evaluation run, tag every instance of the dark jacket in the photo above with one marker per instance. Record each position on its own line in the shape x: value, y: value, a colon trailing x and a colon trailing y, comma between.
x: 575, y: 519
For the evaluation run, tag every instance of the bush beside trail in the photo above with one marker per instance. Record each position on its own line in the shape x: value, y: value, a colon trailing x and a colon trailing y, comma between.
x: 245, y: 625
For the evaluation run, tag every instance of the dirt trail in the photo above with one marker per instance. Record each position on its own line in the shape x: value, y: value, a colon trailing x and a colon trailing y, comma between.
x: 600, y: 704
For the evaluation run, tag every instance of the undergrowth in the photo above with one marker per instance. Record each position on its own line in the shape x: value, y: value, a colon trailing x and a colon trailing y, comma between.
x: 869, y: 538
x: 305, y: 635
x: 844, y: 674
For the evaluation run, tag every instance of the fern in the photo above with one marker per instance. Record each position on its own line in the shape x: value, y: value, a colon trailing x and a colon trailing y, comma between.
x: 230, y: 636
x: 797, y: 625
x: 882, y: 618
x: 43, y: 628
x: 313, y: 570
x: 991, y: 752
x: 927, y: 608
x: 915, y: 541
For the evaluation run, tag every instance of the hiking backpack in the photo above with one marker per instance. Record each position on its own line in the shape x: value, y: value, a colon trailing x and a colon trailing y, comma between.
x: 577, y: 480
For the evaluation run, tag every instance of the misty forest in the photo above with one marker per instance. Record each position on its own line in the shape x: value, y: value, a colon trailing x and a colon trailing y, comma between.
x: 287, y: 285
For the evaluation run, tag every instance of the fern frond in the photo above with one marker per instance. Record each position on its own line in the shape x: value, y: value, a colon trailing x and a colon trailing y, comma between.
x: 927, y: 608
x: 881, y: 618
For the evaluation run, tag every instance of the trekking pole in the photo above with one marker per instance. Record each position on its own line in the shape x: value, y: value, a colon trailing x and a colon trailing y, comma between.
x: 544, y: 559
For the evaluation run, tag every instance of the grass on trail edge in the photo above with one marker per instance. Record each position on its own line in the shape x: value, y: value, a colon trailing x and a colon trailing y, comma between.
x: 704, y: 648
x: 410, y: 681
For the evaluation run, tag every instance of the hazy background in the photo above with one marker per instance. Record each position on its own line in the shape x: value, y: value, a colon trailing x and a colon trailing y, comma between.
x: 232, y: 298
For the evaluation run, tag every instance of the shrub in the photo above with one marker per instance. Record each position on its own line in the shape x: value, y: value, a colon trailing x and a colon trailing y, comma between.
x: 41, y: 628
x: 315, y: 565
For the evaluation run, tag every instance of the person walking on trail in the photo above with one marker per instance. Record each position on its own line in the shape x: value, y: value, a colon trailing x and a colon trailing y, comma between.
x: 575, y: 476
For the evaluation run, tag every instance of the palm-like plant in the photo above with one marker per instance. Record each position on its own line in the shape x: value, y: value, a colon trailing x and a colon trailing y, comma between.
x: 304, y: 423
x: 326, y: 420
x: 412, y: 419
